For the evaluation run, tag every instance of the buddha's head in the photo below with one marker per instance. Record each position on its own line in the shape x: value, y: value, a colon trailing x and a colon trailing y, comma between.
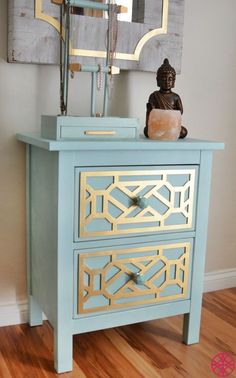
x: 166, y: 76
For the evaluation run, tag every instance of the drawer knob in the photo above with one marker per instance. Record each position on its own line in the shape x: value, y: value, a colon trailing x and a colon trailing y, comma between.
x: 141, y: 202
x: 138, y: 278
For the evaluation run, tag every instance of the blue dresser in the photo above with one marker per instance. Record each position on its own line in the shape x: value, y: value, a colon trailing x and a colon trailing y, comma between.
x: 117, y: 233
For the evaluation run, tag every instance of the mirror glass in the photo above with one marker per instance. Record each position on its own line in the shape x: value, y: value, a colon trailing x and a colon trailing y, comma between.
x: 138, y: 11
x: 101, y: 14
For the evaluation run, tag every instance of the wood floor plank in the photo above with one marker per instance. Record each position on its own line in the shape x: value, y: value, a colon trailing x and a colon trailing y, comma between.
x: 145, y: 366
x: 149, y: 349
x: 4, y: 371
x: 222, y: 304
x: 173, y: 373
x: 141, y: 341
x: 170, y: 338
x: 96, y: 351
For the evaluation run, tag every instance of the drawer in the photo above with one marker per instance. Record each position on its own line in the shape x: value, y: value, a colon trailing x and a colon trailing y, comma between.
x: 119, y: 202
x: 116, y: 278
x: 70, y: 132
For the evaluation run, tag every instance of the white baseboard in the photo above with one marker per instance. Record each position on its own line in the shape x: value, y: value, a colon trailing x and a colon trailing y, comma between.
x: 220, y: 279
x: 17, y: 313
x: 13, y: 313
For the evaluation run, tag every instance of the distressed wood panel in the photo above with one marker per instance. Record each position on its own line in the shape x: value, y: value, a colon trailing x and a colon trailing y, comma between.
x: 32, y: 40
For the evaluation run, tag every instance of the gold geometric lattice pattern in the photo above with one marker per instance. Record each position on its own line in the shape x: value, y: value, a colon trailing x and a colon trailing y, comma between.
x: 107, y: 279
x: 108, y: 201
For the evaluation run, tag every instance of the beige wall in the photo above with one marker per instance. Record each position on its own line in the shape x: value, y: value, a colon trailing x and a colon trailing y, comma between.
x: 207, y: 88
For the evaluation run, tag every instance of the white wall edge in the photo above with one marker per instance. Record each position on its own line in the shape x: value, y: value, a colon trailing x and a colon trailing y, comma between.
x: 17, y: 313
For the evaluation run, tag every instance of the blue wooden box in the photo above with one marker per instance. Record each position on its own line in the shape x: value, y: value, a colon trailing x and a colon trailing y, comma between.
x: 69, y: 128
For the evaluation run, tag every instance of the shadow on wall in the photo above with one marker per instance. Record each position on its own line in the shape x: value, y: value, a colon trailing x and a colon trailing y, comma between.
x: 3, y: 29
x: 119, y: 103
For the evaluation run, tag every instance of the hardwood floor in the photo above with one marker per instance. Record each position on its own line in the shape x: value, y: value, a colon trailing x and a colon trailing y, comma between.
x: 150, y: 349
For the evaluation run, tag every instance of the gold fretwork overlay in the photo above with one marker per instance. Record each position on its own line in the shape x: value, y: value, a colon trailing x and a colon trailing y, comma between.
x: 106, y: 278
x: 108, y: 201
x: 39, y: 14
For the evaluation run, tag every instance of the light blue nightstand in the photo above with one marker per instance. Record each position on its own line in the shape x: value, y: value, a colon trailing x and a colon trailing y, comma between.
x: 117, y: 233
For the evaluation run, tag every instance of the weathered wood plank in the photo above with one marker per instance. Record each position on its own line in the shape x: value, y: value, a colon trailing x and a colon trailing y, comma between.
x: 32, y: 40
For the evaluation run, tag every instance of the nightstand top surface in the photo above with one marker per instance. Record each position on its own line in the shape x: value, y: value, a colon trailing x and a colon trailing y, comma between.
x: 141, y: 143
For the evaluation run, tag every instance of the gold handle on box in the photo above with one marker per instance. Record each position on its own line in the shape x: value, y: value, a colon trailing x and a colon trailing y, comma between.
x: 94, y: 132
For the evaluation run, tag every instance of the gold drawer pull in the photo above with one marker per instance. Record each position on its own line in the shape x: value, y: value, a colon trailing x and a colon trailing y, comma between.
x: 93, y: 132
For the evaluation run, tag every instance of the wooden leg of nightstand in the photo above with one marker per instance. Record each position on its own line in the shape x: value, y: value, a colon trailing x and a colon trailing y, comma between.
x: 35, y: 313
x: 63, y: 350
x: 193, y: 318
x: 191, y: 328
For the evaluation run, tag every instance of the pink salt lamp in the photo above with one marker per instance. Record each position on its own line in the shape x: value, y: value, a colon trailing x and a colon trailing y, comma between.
x: 164, y: 124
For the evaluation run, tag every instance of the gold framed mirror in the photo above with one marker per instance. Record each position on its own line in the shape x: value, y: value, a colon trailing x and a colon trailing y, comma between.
x: 40, y: 14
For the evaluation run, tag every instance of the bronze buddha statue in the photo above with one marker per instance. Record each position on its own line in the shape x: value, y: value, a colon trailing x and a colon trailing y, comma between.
x: 165, y: 98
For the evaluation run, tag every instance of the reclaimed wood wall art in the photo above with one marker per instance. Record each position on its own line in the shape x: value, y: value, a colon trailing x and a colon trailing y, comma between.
x: 34, y: 26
